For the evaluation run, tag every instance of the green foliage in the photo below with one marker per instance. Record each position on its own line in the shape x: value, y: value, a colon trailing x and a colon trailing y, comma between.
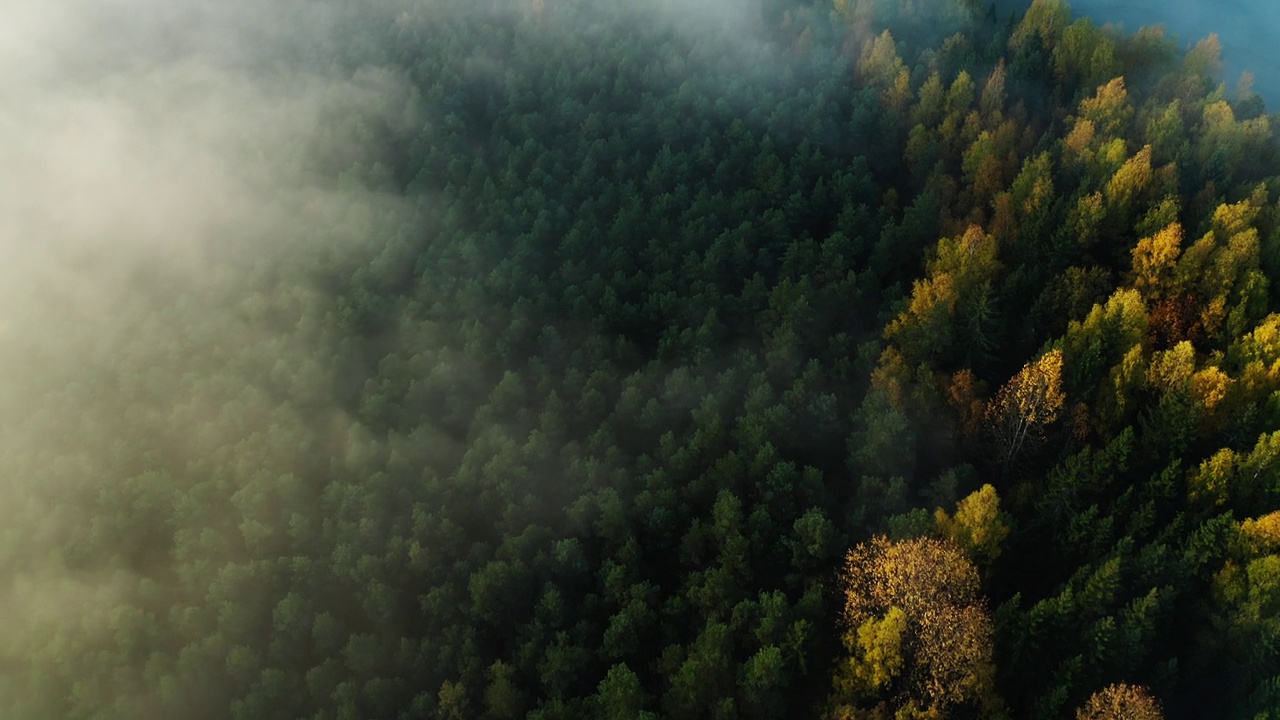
x: 640, y: 327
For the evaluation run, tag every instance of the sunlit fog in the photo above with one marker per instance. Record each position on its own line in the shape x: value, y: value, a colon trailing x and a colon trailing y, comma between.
x: 658, y: 359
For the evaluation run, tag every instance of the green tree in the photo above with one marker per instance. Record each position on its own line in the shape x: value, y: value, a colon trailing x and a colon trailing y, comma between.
x: 620, y: 695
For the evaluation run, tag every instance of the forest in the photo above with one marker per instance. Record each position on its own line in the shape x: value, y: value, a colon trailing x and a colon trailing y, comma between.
x: 753, y: 359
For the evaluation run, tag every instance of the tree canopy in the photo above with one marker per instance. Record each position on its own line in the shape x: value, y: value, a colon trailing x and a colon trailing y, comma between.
x: 636, y: 360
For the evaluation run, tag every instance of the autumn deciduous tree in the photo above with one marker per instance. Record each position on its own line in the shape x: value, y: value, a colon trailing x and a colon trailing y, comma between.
x: 1154, y: 260
x: 1109, y: 108
x: 1234, y: 477
x: 918, y: 634
x: 961, y: 272
x: 1121, y: 702
x: 880, y: 64
x: 1026, y: 404
x: 978, y: 526
x: 1262, y: 533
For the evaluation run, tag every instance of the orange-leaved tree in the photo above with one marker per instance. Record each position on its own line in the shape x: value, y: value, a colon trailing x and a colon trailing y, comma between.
x: 917, y: 632
x: 1121, y: 702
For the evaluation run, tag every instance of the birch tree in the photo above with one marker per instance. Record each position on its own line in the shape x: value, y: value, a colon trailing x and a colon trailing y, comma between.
x: 1029, y: 402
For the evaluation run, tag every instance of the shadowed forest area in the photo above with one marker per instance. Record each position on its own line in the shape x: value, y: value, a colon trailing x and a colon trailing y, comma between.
x: 585, y: 359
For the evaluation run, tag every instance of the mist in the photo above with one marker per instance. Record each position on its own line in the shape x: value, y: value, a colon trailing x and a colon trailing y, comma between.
x: 1247, y: 29
x: 185, y: 188
x: 167, y: 214
x: 543, y: 358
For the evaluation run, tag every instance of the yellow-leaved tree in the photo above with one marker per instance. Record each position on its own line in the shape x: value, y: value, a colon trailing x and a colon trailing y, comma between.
x: 978, y: 525
x: 1029, y: 402
x: 1121, y: 702
x: 918, y: 633
x: 962, y: 272
x: 1154, y: 261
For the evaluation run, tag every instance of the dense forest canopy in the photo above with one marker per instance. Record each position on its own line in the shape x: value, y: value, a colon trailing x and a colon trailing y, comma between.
x: 1242, y: 26
x: 577, y: 358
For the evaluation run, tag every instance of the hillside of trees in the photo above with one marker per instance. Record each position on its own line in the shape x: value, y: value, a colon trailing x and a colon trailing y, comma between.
x: 852, y: 359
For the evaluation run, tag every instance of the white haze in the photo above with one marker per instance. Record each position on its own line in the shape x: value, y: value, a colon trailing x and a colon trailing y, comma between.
x: 1248, y: 30
x: 152, y: 153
